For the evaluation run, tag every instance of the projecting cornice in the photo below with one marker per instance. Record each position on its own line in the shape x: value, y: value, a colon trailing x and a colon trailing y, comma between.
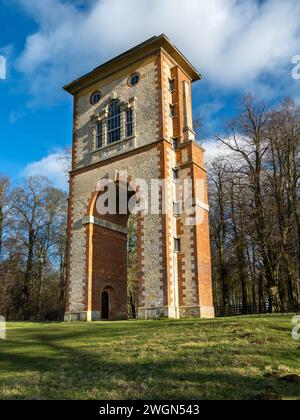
x: 149, y: 47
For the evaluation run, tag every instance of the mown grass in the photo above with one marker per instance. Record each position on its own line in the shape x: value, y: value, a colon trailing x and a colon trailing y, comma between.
x: 236, y: 358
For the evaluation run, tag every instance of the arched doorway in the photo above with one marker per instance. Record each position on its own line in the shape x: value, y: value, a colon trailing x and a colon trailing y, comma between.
x: 105, y: 306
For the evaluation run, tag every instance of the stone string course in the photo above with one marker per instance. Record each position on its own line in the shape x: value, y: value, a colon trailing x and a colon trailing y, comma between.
x: 169, y: 284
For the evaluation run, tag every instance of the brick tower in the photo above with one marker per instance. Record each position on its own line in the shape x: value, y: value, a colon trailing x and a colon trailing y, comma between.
x: 133, y: 115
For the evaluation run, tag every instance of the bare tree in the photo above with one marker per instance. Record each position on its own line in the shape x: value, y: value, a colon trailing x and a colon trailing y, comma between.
x: 219, y: 227
x: 259, y: 184
x: 37, y: 211
x: 4, y: 183
x: 247, y: 139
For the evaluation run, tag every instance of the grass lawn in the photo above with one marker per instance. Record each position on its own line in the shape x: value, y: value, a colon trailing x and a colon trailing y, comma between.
x: 236, y: 358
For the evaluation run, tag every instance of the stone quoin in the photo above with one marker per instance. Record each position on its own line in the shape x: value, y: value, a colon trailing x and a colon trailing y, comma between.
x: 133, y: 115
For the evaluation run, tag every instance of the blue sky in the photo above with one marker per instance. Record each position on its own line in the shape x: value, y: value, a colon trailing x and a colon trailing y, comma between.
x: 238, y: 46
x: 28, y: 133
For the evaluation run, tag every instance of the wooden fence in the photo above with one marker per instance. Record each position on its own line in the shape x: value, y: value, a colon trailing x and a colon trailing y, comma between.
x: 238, y: 310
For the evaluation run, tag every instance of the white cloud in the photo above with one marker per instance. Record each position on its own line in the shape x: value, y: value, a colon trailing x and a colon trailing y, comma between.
x: 2, y: 67
x: 6, y: 53
x: 214, y: 150
x: 52, y: 167
x: 232, y: 42
x: 217, y: 150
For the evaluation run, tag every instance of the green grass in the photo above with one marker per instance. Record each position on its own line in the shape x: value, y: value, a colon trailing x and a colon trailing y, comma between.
x: 236, y: 358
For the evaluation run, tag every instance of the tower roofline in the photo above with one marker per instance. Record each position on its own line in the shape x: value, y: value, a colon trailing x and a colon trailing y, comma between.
x: 151, y: 46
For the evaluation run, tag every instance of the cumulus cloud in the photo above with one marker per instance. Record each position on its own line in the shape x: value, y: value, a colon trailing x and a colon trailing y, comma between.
x: 214, y: 150
x: 232, y: 42
x: 53, y: 167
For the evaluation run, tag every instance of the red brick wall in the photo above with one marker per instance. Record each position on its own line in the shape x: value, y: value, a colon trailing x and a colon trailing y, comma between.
x: 203, y: 252
x: 110, y: 270
x: 200, y: 241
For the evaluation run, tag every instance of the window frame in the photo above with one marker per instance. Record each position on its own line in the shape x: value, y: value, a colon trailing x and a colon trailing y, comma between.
x: 124, y: 126
x: 176, y: 143
x: 97, y: 92
x: 175, y: 175
x: 99, y: 134
x: 177, y: 245
x: 177, y: 208
x: 173, y: 111
x: 129, y: 127
x: 172, y: 86
x: 135, y: 74
x: 114, y: 123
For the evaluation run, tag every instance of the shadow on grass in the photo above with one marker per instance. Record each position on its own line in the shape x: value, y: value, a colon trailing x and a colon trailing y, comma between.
x: 81, y: 364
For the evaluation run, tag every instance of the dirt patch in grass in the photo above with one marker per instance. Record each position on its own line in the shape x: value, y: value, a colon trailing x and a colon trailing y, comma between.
x: 267, y: 397
x: 291, y: 379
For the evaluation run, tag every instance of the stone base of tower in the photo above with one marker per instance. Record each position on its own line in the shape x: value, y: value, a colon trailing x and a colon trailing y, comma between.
x: 75, y: 316
x: 91, y: 316
x: 153, y: 313
x: 207, y: 312
x: 204, y: 312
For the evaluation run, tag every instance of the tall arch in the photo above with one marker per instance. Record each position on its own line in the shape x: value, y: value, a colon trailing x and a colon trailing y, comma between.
x: 106, y: 258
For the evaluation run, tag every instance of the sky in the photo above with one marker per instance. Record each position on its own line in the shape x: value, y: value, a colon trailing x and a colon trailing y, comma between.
x: 239, y: 47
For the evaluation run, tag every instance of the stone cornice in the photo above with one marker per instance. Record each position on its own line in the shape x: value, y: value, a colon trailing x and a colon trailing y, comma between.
x: 150, y: 47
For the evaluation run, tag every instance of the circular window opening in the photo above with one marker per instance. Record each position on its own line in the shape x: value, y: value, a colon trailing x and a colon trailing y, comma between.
x: 134, y: 79
x: 95, y: 98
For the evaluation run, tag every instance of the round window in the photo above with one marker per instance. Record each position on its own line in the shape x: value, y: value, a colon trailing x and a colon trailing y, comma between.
x: 134, y: 79
x: 95, y: 98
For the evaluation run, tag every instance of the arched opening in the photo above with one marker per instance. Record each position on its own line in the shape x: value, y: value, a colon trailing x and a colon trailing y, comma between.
x: 109, y: 299
x: 112, y: 256
x: 105, y: 306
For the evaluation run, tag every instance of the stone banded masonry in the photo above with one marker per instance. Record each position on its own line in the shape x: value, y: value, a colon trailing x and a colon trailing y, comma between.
x: 174, y: 263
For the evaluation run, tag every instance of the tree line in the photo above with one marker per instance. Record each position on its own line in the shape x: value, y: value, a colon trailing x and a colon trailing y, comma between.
x: 32, y: 250
x: 255, y: 209
x: 254, y: 222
